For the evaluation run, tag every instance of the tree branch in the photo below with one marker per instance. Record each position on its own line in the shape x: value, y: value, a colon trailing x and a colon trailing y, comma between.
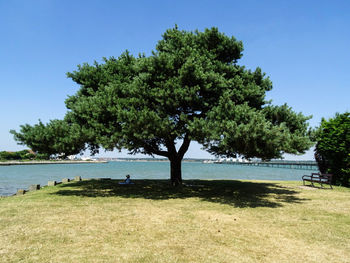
x: 152, y: 149
x: 184, y: 147
x: 170, y: 146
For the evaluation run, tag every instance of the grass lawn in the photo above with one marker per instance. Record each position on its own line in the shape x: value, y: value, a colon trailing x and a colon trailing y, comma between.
x: 204, y: 221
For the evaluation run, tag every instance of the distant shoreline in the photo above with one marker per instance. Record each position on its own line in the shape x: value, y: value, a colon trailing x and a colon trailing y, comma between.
x: 149, y: 160
x: 47, y: 162
x: 153, y: 161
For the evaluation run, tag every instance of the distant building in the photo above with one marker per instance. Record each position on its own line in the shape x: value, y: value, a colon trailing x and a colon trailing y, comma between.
x: 72, y: 157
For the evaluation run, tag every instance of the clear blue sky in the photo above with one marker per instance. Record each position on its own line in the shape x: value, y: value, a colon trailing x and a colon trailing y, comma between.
x: 303, y: 46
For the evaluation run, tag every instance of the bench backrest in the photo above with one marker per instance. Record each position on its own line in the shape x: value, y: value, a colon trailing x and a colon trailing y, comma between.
x: 326, y: 177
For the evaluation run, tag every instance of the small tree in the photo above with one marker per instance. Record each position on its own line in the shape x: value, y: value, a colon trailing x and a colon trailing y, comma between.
x: 190, y: 88
x: 332, y: 149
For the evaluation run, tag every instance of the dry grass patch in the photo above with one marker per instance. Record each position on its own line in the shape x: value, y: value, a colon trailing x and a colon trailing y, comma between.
x: 205, y: 221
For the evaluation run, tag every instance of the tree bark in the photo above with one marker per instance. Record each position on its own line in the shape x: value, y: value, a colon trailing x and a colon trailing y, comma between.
x: 175, y: 158
x: 175, y: 171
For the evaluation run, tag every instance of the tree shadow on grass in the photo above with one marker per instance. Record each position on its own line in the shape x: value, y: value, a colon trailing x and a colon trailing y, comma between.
x: 235, y: 193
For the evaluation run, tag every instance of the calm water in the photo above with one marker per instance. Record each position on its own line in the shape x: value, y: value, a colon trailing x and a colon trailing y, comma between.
x: 21, y: 176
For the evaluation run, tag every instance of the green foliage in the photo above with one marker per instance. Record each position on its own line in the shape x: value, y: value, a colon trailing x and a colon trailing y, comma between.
x: 42, y: 156
x: 20, y: 155
x: 191, y: 85
x: 333, y: 147
x: 190, y: 88
x: 57, y: 137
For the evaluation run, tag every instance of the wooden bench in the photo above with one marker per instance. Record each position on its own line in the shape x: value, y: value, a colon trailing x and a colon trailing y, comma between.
x: 318, y: 178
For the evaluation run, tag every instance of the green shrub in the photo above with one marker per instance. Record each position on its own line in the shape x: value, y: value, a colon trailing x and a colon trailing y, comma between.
x: 20, y: 155
x: 332, y: 150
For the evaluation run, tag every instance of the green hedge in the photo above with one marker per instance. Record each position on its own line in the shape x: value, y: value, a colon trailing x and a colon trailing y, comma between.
x: 21, y: 155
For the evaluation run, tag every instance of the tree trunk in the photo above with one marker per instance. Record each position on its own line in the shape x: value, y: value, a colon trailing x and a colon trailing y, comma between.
x: 175, y: 171
x: 175, y: 158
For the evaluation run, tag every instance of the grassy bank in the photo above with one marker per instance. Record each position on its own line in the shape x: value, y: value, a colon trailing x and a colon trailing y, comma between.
x: 205, y: 221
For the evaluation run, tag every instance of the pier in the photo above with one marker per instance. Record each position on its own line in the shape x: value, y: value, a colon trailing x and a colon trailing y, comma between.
x: 302, y: 165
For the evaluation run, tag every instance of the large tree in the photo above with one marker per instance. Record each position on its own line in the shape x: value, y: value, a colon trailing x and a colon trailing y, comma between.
x: 189, y: 88
x: 332, y: 151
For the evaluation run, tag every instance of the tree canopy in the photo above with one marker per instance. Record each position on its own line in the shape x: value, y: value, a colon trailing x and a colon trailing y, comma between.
x: 190, y: 88
x: 332, y: 149
x: 58, y: 137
